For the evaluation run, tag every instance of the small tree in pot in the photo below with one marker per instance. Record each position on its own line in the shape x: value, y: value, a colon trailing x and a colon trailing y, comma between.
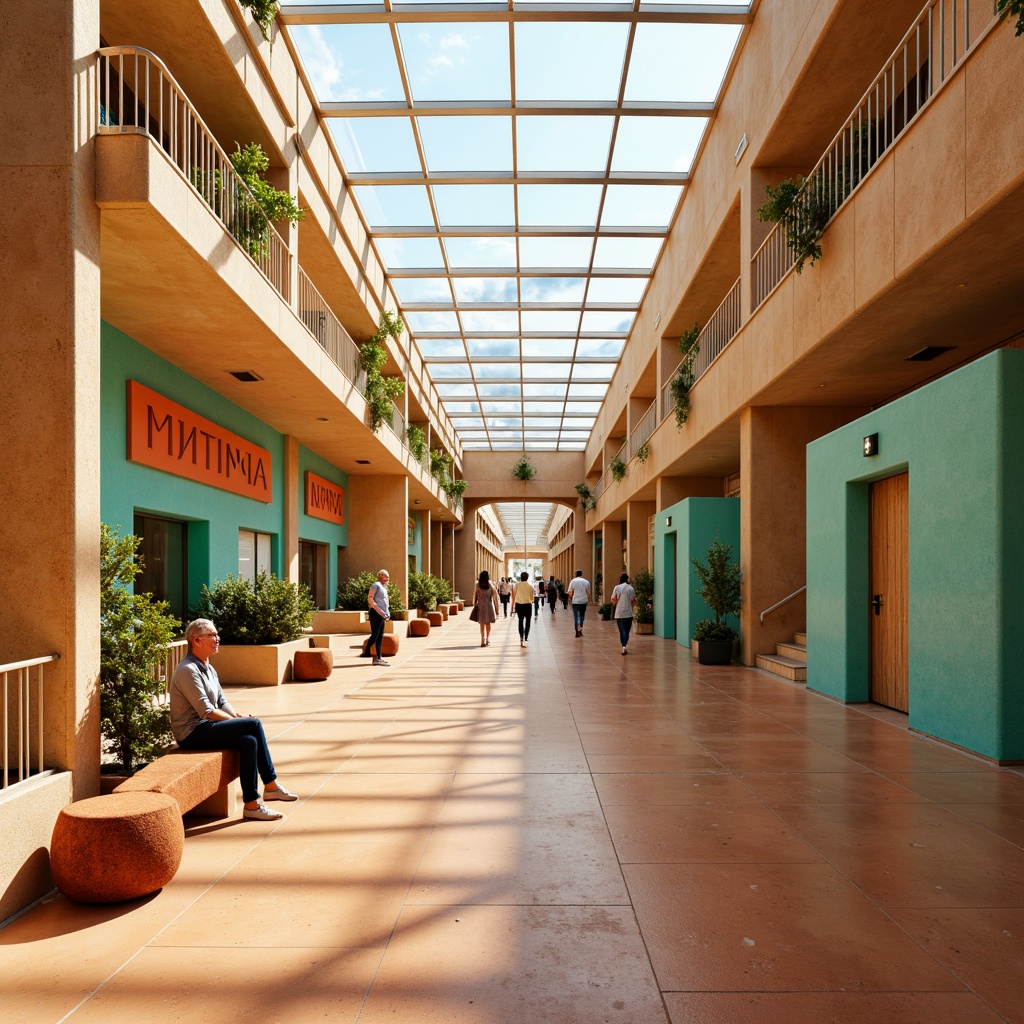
x: 720, y: 590
x: 643, y: 585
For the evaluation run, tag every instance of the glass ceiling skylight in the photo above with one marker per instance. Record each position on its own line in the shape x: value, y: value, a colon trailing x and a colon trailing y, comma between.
x: 518, y: 166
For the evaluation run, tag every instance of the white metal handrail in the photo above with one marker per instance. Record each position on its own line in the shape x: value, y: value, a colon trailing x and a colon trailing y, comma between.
x: 16, y: 719
x: 785, y: 600
x: 641, y: 433
x: 321, y: 322
x: 138, y: 95
x: 163, y: 671
x: 933, y: 46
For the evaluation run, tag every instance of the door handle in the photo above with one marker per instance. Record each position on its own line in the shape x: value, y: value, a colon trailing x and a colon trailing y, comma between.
x: 876, y: 603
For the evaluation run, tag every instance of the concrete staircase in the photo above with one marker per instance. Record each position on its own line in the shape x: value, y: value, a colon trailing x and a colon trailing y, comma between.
x: 789, y: 660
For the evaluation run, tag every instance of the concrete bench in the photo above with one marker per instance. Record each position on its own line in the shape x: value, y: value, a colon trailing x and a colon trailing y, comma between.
x: 420, y: 627
x: 200, y: 781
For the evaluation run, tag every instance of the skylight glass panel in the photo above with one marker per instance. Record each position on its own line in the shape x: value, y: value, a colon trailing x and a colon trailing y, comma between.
x: 551, y: 251
x: 561, y: 143
x: 592, y: 389
x: 659, y: 71
x: 553, y: 289
x: 432, y: 323
x: 544, y: 408
x: 547, y: 371
x: 563, y: 347
x: 486, y: 289
x: 609, y: 348
x: 467, y: 422
x: 422, y: 289
x: 639, y: 205
x: 446, y: 390
x: 479, y: 347
x: 627, y: 252
x: 472, y: 205
x: 496, y: 371
x: 488, y: 321
x: 588, y: 65
x: 461, y: 408
x: 450, y: 371
x: 453, y: 144
x: 572, y: 205
x: 353, y: 63
x: 453, y: 60
x: 403, y: 253
x: 665, y: 144
x: 441, y: 348
x: 600, y: 320
x: 593, y: 371
x: 389, y: 206
x: 502, y: 408
x: 616, y: 289
x: 582, y: 408
x: 545, y: 321
x: 548, y: 390
x: 499, y: 390
x: 375, y: 143
x: 542, y: 421
x: 471, y: 252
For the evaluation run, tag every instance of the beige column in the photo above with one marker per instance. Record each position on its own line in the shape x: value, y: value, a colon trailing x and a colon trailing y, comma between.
x: 638, y: 552
x: 581, y: 555
x: 773, y: 504
x: 464, y: 550
x: 423, y: 518
x: 292, y: 503
x: 378, y: 529
x: 672, y: 489
x: 436, y: 546
x: 450, y: 561
x: 611, y: 557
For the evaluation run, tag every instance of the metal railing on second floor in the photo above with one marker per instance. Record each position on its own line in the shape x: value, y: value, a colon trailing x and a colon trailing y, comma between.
x: 321, y: 322
x: 23, y: 689
x: 641, y: 433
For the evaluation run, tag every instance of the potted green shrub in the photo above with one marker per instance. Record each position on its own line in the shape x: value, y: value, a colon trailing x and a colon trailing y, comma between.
x: 262, y: 623
x: 643, y: 585
x: 135, y: 631
x: 605, y: 611
x: 423, y: 591
x: 720, y: 590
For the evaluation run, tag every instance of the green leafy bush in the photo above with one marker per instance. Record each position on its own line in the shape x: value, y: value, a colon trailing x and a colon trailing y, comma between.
x: 684, y: 378
x: 445, y: 590
x: 424, y: 592
x: 263, y: 12
x: 618, y: 468
x: 587, y: 500
x: 354, y: 592
x: 135, y: 630
x: 719, y: 588
x: 643, y: 453
x: 523, y: 469
x: 1008, y: 8
x: 454, y: 488
x: 380, y: 391
x: 439, y: 462
x: 708, y: 629
x: 417, y: 442
x: 643, y: 584
x: 266, y: 610
x: 803, y: 208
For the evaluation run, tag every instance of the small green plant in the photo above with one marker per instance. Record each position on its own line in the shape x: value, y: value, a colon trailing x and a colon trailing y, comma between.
x: 587, y: 500
x: 643, y: 584
x: 604, y: 610
x: 1008, y: 8
x: 425, y: 591
x: 803, y: 208
x: 135, y: 630
x: 417, y: 438
x: 263, y: 13
x: 643, y: 453
x: 618, y: 468
x: 440, y: 460
x: 719, y: 589
x: 380, y: 391
x: 454, y: 488
x: 353, y: 594
x: 523, y: 469
x: 683, y: 381
x: 266, y: 610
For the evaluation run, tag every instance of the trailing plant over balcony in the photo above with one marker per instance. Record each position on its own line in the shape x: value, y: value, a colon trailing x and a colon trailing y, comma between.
x: 803, y: 208
x: 684, y: 378
x: 263, y: 13
x: 523, y: 469
x: 439, y: 463
x: 381, y: 391
x: 643, y: 453
x: 454, y: 488
x: 417, y: 438
x: 587, y: 500
x: 1007, y: 8
x: 618, y: 468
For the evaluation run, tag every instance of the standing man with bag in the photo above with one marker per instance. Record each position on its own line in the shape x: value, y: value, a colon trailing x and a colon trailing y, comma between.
x: 579, y: 595
x: 380, y: 612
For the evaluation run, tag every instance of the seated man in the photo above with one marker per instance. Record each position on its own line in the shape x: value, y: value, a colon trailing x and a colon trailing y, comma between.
x: 202, y: 719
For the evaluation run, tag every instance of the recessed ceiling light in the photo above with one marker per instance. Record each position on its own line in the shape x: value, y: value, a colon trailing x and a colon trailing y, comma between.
x: 362, y: 462
x: 321, y: 419
x: 245, y: 375
x: 928, y: 353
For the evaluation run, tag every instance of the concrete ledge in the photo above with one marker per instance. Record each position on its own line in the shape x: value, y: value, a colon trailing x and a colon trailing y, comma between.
x: 199, y: 780
x: 257, y: 665
x: 340, y: 622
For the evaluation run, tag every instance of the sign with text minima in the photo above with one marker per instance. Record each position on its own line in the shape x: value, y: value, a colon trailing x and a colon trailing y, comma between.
x: 166, y: 436
x: 324, y: 499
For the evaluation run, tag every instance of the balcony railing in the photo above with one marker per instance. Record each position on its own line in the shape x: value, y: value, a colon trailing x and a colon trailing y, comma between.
x: 138, y: 95
x: 641, y: 433
x: 172, y: 658
x: 721, y: 328
x: 21, y: 718
x: 934, y: 45
x: 321, y: 322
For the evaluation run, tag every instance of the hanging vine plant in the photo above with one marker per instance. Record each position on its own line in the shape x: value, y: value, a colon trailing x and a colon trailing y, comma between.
x: 618, y: 468
x: 439, y: 463
x: 523, y: 469
x: 454, y: 488
x: 1008, y: 8
x: 586, y: 496
x: 803, y: 208
x: 643, y: 453
x: 684, y: 378
x: 263, y: 13
x: 381, y: 391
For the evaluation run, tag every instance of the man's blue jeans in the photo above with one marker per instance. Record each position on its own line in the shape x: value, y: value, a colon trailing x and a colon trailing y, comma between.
x: 625, y: 625
x: 247, y: 737
x: 579, y: 613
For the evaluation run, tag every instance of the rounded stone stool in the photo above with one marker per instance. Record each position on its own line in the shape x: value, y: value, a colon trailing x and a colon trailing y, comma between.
x: 419, y: 627
x: 117, y: 847
x: 313, y: 665
x: 453, y: 609
x: 461, y: 604
x: 435, y: 618
x: 443, y: 609
x: 389, y: 644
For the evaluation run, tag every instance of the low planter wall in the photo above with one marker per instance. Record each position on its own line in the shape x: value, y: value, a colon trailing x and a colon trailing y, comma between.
x: 347, y: 622
x: 257, y: 665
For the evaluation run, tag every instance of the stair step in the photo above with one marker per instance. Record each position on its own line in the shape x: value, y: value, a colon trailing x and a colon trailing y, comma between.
x: 800, y: 638
x: 798, y: 652
x: 788, y: 668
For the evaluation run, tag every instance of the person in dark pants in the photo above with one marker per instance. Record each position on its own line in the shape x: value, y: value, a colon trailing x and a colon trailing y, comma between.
x: 522, y: 598
x: 552, y: 591
x: 380, y: 612
x: 202, y: 719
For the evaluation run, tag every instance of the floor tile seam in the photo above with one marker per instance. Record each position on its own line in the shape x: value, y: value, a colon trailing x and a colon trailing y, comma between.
x: 859, y: 994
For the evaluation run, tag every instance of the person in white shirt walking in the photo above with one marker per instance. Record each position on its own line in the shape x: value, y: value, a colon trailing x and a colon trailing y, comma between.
x: 580, y: 595
x: 623, y: 603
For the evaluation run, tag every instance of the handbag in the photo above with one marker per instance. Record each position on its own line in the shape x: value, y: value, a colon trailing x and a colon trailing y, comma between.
x: 474, y: 615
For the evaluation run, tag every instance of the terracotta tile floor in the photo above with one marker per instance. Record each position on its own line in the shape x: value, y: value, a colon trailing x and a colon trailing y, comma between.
x: 560, y: 834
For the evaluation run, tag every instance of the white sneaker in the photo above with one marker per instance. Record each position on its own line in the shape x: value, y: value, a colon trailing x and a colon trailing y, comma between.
x: 261, y: 813
x: 283, y: 794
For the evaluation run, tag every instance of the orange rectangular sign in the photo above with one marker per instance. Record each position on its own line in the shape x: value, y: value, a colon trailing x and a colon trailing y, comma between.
x: 324, y: 499
x: 166, y: 436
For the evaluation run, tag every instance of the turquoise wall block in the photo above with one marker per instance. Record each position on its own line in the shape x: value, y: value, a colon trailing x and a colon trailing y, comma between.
x: 320, y: 531
x: 695, y: 524
x: 961, y: 440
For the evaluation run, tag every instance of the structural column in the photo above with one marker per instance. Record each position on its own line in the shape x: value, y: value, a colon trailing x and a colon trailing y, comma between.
x: 638, y: 543
x: 378, y: 528
x: 292, y: 503
x: 611, y: 558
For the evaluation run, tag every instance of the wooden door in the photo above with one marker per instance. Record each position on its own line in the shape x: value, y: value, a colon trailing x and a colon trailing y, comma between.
x: 889, y: 591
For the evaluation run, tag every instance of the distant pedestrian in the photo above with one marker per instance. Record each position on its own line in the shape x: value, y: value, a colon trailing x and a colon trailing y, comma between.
x: 623, y: 603
x: 380, y: 612
x: 523, y: 600
x: 504, y: 593
x: 552, y: 591
x: 538, y: 593
x: 579, y: 595
x: 485, y: 600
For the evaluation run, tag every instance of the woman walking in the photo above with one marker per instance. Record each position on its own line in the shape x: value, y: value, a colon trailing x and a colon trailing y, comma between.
x: 485, y: 600
x: 523, y: 600
x: 623, y: 603
x: 504, y: 593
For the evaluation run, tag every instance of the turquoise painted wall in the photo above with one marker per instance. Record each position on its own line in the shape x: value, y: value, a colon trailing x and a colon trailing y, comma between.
x: 214, y: 516
x: 695, y: 524
x: 961, y: 439
x: 415, y: 548
x: 319, y: 530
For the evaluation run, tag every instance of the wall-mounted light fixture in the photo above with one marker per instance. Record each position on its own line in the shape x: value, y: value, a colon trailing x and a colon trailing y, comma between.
x: 870, y: 445
x: 668, y: 520
x: 741, y: 148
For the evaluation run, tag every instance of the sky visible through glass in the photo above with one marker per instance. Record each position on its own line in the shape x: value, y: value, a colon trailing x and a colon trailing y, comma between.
x: 518, y: 168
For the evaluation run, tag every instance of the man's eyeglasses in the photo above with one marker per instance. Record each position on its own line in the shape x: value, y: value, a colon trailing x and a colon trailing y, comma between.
x: 215, y: 636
